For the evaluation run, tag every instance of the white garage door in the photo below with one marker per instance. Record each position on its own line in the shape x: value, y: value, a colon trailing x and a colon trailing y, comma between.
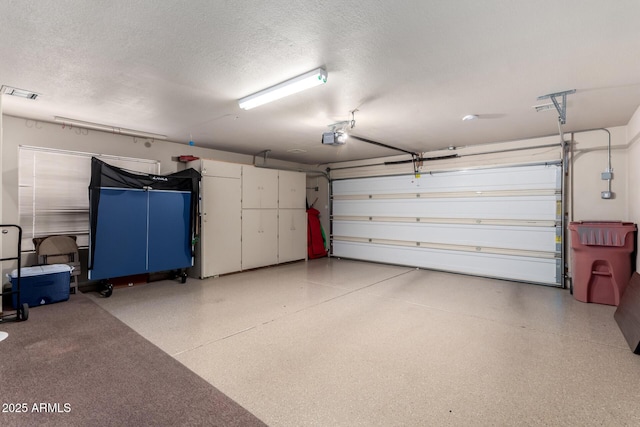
x: 500, y: 222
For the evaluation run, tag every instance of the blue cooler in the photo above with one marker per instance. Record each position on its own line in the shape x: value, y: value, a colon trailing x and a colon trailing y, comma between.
x: 44, y: 284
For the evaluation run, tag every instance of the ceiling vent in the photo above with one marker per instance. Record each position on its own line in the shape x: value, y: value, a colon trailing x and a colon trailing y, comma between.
x: 27, y: 94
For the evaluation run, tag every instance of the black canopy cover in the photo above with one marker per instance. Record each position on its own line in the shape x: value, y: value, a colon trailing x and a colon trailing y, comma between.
x: 106, y: 175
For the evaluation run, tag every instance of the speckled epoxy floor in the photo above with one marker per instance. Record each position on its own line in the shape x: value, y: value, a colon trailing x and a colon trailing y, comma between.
x: 335, y: 342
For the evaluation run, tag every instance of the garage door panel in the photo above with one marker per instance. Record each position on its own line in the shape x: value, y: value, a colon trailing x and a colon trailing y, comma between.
x: 500, y: 179
x: 536, y: 270
x: 508, y: 237
x: 521, y: 208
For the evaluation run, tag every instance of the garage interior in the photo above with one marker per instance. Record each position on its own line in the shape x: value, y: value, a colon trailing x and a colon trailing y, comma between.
x: 447, y: 149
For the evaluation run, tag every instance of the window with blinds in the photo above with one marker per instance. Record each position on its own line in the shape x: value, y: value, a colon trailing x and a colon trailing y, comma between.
x: 53, y: 191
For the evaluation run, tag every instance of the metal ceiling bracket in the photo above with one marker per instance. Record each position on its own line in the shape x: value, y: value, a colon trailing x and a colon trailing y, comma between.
x: 339, y: 126
x: 264, y: 153
x: 561, y: 107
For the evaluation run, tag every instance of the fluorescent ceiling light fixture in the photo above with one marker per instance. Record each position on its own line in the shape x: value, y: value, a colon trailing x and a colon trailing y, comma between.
x: 27, y: 94
x: 286, y: 88
x: 106, y: 128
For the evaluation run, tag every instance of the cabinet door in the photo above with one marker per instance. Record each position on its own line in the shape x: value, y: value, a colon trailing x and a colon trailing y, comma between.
x: 259, y: 237
x: 259, y: 188
x: 292, y: 234
x: 220, y: 238
x: 220, y: 169
x: 292, y: 190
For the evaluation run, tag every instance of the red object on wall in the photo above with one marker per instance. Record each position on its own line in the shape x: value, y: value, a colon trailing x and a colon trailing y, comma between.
x: 601, y: 260
x: 315, y: 243
x: 187, y: 158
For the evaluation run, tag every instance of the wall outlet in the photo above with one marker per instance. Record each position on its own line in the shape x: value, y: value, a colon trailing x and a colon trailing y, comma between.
x: 606, y: 176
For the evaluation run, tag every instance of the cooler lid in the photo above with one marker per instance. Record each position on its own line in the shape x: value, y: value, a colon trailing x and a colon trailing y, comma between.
x: 41, y: 270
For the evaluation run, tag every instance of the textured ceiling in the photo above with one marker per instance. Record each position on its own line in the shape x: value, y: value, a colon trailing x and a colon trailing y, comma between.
x: 413, y: 69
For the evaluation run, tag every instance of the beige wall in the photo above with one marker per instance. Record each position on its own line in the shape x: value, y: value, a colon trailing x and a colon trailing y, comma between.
x: 504, y: 153
x: 1, y: 167
x: 3, y: 240
x: 588, y: 161
x: 633, y: 165
x: 20, y: 131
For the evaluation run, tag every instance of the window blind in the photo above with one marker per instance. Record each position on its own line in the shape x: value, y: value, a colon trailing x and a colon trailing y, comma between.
x: 53, y: 191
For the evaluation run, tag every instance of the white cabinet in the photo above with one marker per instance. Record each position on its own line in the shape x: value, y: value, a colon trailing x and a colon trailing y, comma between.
x: 220, y: 169
x: 292, y: 190
x: 259, y: 188
x: 221, y: 226
x: 249, y: 217
x: 259, y: 238
x: 259, y: 217
x: 292, y: 234
x: 292, y: 216
x: 219, y: 248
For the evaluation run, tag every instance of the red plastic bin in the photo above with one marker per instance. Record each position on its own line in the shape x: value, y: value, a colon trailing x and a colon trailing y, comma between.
x: 601, y: 260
